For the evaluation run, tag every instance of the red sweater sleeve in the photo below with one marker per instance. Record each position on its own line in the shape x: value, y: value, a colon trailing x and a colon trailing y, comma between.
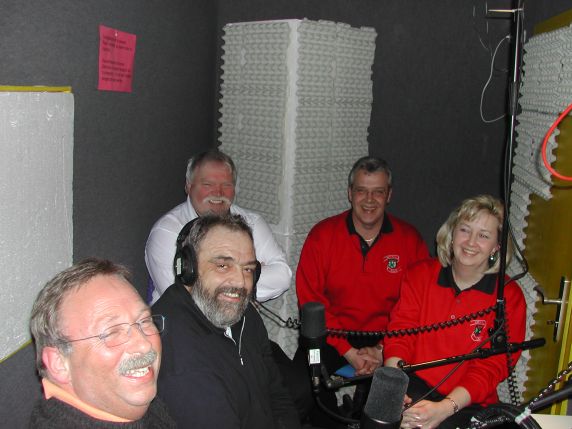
x: 311, y: 285
x: 407, y: 311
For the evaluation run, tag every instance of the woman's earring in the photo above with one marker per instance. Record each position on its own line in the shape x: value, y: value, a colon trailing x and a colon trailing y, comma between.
x: 493, y: 258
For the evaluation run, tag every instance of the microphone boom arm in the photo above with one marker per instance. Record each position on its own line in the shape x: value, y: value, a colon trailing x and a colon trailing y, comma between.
x: 479, y: 354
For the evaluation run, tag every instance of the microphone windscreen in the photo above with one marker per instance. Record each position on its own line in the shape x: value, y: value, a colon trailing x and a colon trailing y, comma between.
x: 385, y: 400
x: 313, y: 320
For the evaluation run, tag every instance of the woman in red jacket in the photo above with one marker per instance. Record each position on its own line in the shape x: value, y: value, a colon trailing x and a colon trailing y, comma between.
x: 461, y: 281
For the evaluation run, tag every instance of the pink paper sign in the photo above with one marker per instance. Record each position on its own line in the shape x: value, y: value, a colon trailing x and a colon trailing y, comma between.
x: 116, y: 57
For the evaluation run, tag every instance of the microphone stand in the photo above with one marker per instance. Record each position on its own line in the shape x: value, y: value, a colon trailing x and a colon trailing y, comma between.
x: 332, y: 382
x: 336, y: 381
x: 551, y: 398
x: 500, y: 337
x: 479, y: 354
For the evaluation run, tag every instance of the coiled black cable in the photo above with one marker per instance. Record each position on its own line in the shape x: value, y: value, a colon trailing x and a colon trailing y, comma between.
x: 413, y: 331
x: 498, y: 414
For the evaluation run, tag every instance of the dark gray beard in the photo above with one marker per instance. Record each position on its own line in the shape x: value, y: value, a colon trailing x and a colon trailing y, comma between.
x: 221, y: 314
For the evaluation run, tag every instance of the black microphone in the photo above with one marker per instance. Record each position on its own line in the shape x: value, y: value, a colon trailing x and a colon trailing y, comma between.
x: 313, y: 337
x: 384, y: 405
x: 533, y: 343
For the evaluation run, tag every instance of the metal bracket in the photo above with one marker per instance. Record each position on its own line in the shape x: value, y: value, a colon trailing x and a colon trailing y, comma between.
x: 561, y: 306
x: 505, y: 10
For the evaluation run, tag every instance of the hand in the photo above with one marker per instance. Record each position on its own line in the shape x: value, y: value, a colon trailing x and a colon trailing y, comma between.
x: 407, y: 400
x: 376, y: 353
x: 362, y: 360
x: 392, y: 361
x: 426, y: 414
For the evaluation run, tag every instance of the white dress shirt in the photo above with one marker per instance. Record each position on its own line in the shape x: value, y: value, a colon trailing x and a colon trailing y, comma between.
x: 162, y: 245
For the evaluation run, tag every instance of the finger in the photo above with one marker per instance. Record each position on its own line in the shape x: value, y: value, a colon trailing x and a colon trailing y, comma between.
x: 371, y: 368
x: 410, y: 414
x: 411, y: 419
x: 370, y: 358
x: 366, y: 351
x: 368, y: 368
x: 375, y: 366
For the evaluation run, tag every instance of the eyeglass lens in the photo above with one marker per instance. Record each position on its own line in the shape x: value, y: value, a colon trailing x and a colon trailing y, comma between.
x: 120, y: 334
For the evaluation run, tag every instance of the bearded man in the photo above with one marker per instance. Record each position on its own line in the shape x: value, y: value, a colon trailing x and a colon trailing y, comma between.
x: 217, y: 369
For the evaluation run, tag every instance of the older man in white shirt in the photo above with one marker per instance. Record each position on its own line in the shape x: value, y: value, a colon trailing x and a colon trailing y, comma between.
x: 210, y: 186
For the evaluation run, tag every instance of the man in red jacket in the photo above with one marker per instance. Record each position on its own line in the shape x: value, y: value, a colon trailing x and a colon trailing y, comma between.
x: 353, y: 263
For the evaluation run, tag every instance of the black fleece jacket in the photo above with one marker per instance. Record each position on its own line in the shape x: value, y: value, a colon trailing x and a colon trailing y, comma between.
x: 55, y: 414
x: 209, y: 380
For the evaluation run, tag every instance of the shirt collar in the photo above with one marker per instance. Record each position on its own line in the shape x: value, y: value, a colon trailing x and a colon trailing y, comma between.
x: 191, y: 212
x: 386, y: 226
x: 52, y: 390
x: 486, y: 285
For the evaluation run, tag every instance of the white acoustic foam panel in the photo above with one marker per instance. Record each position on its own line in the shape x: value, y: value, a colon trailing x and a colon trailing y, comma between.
x: 296, y: 103
x: 546, y: 90
x: 36, y: 141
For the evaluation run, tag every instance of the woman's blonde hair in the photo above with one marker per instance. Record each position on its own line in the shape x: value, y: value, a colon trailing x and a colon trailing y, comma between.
x: 468, y: 211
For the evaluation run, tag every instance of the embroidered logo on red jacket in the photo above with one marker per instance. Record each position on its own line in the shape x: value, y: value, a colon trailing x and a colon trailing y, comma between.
x: 478, y: 328
x: 392, y: 263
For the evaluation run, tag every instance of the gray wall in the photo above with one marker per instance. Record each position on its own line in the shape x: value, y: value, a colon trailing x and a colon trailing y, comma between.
x: 428, y: 73
x: 131, y: 149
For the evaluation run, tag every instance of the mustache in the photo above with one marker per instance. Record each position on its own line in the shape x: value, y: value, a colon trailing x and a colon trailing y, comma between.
x: 140, y: 361
x: 225, y: 200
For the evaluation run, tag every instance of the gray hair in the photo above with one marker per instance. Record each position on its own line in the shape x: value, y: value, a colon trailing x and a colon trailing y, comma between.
x: 213, y: 155
x: 44, y: 320
x: 370, y: 164
x: 203, y: 224
x: 468, y: 210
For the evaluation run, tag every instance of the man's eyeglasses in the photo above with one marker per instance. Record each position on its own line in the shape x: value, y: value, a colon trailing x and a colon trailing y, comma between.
x: 119, y: 334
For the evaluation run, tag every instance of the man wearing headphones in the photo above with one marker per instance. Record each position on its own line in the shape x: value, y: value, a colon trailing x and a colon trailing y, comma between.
x: 217, y: 369
x: 210, y: 187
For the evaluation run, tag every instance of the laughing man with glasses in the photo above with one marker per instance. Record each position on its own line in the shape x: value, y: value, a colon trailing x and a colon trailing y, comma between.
x: 98, y: 351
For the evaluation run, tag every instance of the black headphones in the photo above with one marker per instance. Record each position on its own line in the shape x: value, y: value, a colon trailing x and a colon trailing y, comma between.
x: 185, y: 264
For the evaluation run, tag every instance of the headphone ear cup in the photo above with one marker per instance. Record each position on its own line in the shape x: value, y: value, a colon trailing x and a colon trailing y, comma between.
x: 257, y: 273
x: 188, y: 263
x: 185, y: 261
x: 255, y: 277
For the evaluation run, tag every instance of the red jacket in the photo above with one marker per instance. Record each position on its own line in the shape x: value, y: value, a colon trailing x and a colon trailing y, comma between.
x: 428, y: 295
x: 358, y: 292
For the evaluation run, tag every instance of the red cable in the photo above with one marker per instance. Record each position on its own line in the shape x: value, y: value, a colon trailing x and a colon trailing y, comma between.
x: 545, y: 143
